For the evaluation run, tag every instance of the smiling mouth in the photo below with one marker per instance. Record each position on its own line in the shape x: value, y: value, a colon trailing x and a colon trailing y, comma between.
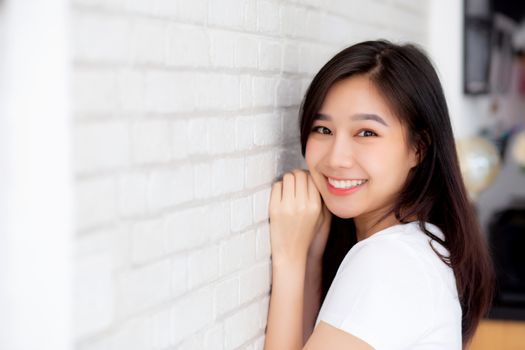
x: 345, y: 184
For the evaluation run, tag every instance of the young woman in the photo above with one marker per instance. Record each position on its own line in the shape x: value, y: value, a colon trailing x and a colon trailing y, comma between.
x: 376, y: 245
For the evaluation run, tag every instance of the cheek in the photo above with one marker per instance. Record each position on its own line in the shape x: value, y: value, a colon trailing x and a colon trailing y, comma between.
x: 312, y: 153
x: 384, y: 165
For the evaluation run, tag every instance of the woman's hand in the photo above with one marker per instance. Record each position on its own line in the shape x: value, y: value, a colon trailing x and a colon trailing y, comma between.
x: 299, y: 221
x: 322, y: 230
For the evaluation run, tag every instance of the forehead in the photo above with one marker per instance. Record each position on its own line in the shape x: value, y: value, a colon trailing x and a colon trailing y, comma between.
x: 356, y: 95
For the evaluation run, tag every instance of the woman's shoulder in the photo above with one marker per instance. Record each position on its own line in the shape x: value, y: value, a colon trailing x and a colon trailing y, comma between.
x: 403, y: 252
x: 405, y: 241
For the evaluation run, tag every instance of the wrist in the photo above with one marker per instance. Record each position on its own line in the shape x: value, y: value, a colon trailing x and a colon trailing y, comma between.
x: 289, y: 264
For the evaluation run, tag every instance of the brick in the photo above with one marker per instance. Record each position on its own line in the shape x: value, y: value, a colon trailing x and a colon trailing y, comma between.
x: 221, y: 135
x: 100, y: 38
x: 94, y: 92
x: 194, y: 11
x: 191, y: 313
x: 290, y: 120
x: 241, y: 213
x: 292, y: 20
x: 284, y: 93
x: 203, y: 266
x: 160, y: 332
x: 267, y: 129
x: 111, y: 240
x: 334, y: 28
x: 151, y: 142
x: 246, y: 51
x: 187, y: 46
x: 242, y: 326
x: 268, y: 17
x: 291, y: 57
x: 143, y: 287
x: 202, y: 183
x: 147, y: 240
x: 261, y: 201
x: 226, y: 296
x: 168, y: 187
x: 264, y: 305
x: 93, y: 297
x: 226, y: 13
x: 264, y: 91
x: 96, y: 202
x: 250, y: 15
x: 100, y: 146
x: 179, y: 139
x: 132, y: 193
x: 132, y: 335
x: 246, y: 94
x: 187, y: 229
x: 169, y: 92
x: 198, y: 136
x: 179, y: 274
x: 244, y: 131
x: 217, y: 91
x: 103, y: 4
x: 214, y: 337
x: 237, y: 252
x: 148, y: 41
x: 255, y: 281
x: 260, y: 169
x: 263, y: 244
x: 130, y: 90
x: 219, y: 219
x: 222, y: 47
x: 227, y: 175
x: 140, y: 7
x: 270, y: 54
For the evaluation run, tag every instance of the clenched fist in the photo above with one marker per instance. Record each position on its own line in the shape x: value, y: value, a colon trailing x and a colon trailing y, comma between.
x: 299, y: 220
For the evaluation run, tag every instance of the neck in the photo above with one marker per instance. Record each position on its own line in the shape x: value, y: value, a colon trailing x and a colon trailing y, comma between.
x: 368, y: 226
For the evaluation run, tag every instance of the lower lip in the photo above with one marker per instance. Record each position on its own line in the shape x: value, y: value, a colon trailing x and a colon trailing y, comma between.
x: 341, y: 191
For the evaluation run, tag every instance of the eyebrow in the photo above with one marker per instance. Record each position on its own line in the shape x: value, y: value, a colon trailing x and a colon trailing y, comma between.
x: 357, y: 116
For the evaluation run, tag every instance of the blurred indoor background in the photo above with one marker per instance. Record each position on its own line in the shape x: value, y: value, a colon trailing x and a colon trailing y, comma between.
x: 139, y: 140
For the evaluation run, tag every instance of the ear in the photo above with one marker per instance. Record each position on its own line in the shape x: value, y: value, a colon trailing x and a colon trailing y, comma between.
x: 414, y: 156
x: 418, y: 151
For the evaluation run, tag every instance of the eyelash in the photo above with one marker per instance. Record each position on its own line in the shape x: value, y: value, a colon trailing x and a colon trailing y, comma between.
x: 315, y: 128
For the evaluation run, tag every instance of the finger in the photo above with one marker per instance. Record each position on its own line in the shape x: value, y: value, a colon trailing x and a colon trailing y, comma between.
x: 313, y: 192
x: 301, y: 183
x: 275, y: 196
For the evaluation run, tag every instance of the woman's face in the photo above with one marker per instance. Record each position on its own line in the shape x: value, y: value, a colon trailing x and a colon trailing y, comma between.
x: 356, y: 136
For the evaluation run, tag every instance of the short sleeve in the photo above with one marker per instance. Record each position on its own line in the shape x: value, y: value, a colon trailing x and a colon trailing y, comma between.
x: 382, y: 295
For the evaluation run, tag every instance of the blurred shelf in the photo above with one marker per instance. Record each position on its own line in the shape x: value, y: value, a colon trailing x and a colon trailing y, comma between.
x: 499, y: 335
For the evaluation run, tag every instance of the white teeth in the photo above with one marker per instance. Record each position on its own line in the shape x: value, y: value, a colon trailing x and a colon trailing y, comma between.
x: 346, y: 183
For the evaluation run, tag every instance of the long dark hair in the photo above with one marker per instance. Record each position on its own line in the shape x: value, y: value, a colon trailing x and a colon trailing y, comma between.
x: 434, y: 190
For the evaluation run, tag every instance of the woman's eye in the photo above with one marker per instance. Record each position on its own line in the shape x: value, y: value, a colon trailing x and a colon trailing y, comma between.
x: 316, y: 128
x: 367, y: 133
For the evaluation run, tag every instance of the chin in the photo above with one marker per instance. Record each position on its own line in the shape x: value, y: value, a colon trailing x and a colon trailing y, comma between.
x: 340, y: 212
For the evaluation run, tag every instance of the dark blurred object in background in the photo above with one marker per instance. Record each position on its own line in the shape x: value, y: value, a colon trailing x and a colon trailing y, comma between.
x: 507, y: 243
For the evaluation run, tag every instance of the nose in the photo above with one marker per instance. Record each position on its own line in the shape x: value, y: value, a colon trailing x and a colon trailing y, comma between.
x: 340, y: 154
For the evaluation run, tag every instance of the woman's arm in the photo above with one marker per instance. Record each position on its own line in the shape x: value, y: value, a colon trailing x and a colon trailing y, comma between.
x: 297, y: 215
x: 285, y: 315
x: 312, y: 295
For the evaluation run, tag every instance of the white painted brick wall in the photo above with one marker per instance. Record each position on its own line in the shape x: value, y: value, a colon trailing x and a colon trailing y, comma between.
x: 185, y: 113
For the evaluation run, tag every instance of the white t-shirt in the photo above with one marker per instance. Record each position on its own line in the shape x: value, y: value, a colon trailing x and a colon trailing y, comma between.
x: 393, y: 291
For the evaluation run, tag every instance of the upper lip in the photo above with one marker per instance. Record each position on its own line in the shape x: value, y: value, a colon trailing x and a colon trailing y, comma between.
x: 341, y: 179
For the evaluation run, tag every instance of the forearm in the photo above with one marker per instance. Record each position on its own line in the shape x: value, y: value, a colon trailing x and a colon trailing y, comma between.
x: 312, y: 296
x: 285, y: 314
